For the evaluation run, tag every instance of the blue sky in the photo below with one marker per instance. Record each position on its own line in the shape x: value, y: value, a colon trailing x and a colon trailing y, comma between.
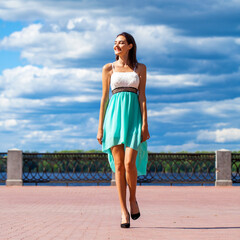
x: 52, y: 53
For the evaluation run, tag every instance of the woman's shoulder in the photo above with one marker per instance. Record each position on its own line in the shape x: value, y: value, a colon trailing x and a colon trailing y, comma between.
x: 141, y: 67
x: 107, y: 67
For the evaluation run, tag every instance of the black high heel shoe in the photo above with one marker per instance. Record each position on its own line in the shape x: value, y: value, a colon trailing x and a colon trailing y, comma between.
x: 126, y: 225
x: 136, y: 215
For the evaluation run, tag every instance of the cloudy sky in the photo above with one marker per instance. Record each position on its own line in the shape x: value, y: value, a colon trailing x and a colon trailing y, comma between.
x: 52, y: 53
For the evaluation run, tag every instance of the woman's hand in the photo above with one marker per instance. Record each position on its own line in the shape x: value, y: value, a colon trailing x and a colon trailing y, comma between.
x: 100, y: 136
x: 145, y: 134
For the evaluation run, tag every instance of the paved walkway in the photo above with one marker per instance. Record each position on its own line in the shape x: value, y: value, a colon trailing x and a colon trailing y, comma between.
x: 86, y: 213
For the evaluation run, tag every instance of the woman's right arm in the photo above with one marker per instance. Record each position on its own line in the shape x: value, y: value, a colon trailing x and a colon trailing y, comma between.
x: 105, y: 98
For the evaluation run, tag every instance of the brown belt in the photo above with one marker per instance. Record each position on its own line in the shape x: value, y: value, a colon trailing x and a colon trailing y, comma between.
x: 125, y: 89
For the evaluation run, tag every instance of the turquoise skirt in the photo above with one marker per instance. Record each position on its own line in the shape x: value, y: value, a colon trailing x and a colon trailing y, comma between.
x: 122, y: 125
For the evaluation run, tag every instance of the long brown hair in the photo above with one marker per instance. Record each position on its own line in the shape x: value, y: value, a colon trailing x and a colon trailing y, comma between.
x: 133, y: 51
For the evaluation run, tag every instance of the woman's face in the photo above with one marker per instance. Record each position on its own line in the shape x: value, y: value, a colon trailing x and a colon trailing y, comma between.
x: 121, y: 47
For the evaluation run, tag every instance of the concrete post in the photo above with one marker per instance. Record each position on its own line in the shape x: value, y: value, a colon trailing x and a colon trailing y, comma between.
x: 223, y: 165
x: 14, y: 168
x: 113, y: 182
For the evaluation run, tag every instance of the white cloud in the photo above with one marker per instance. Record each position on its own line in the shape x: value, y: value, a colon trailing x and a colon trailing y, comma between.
x: 83, y: 23
x: 160, y: 40
x: 78, y: 83
x: 167, y: 111
x: 221, y: 124
x: 48, y: 48
x: 210, y: 45
x: 179, y: 134
x: 224, y: 108
x: 39, y: 136
x: 19, y: 105
x: 237, y: 40
x: 156, y: 79
x: 49, y: 132
x: 58, y: 43
x: 179, y: 80
x: 31, y: 10
x: 227, y: 109
x: 82, y: 98
x: 13, y: 124
x: 8, y: 123
x: 220, y: 135
x: 26, y: 37
x: 62, y: 135
x: 156, y: 37
x: 189, y: 146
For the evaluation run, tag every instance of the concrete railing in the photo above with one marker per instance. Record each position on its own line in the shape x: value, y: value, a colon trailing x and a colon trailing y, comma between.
x: 14, y: 168
x: 223, y: 166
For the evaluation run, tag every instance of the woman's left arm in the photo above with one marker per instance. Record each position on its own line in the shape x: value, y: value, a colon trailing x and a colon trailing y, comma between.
x: 142, y: 101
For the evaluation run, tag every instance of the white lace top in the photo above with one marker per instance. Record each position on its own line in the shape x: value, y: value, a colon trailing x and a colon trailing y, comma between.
x: 124, y: 79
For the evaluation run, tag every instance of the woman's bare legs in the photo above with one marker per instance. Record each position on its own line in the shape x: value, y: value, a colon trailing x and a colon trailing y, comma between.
x: 118, y: 156
x: 131, y: 177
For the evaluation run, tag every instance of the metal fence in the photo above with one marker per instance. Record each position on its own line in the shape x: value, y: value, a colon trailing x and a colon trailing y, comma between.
x: 3, y: 167
x: 94, y: 167
x: 236, y: 167
x: 180, y: 168
x: 68, y: 168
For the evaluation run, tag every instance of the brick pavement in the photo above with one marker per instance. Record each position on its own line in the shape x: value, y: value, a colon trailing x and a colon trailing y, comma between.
x: 86, y: 213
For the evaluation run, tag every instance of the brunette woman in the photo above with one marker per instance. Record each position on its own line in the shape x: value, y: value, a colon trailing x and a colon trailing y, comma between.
x: 123, y: 126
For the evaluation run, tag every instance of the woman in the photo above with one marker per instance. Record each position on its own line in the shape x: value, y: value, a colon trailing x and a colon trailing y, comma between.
x: 123, y: 127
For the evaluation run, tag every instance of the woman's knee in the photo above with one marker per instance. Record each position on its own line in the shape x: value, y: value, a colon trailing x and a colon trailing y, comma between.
x: 130, y: 165
x: 118, y: 155
x: 119, y: 166
x: 130, y: 159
